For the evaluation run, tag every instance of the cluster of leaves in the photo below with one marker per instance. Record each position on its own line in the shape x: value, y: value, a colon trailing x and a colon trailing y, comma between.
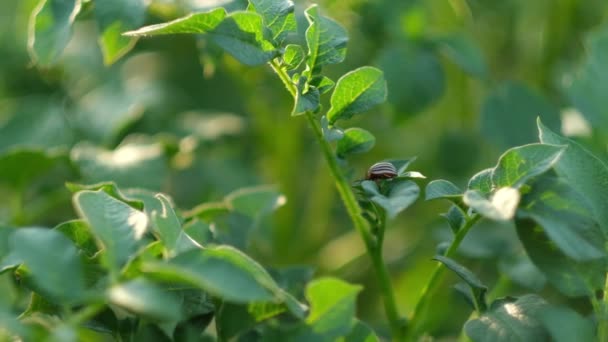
x: 546, y: 189
x: 139, y: 269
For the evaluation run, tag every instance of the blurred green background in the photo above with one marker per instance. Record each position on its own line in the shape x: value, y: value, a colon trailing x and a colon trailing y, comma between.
x: 466, y: 81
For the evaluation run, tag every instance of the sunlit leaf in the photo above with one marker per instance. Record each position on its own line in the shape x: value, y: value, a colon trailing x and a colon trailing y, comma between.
x: 357, y: 92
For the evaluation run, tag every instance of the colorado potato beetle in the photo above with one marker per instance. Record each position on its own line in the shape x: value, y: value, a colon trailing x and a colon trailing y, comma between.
x: 381, y: 170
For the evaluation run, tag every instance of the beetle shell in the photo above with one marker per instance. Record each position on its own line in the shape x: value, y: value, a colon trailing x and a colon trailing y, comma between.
x: 381, y: 170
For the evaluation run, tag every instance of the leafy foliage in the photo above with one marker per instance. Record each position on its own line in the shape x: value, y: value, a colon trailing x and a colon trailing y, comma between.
x: 166, y: 239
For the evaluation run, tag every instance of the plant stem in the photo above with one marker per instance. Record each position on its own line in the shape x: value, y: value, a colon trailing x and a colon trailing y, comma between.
x: 372, y: 245
x: 433, y: 285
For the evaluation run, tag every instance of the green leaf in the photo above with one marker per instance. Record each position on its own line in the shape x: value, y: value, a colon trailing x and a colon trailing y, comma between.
x: 509, y: 320
x: 572, y: 278
x: 241, y: 34
x: 442, y: 189
x: 400, y: 197
x: 117, y: 226
x: 115, y: 17
x: 223, y: 271
x: 520, y: 164
x: 508, y: 114
x: 464, y: 52
x: 482, y: 181
x: 293, y: 56
x: 140, y: 164
x: 416, y: 84
x: 255, y: 202
x: 586, y: 86
x: 326, y: 41
x: 332, y: 309
x: 478, y: 289
x: 52, y: 260
x: 360, y: 332
x: 586, y: 173
x: 79, y: 232
x: 144, y: 298
x: 355, y: 140
x: 308, y: 98
x: 234, y: 320
x: 51, y: 29
x: 278, y: 16
x: 109, y: 188
x: 565, y: 325
x: 500, y: 207
x: 322, y: 83
x: 20, y: 167
x: 193, y: 23
x: 357, y: 92
x: 330, y: 133
x: 565, y: 218
x: 166, y: 224
x: 455, y: 217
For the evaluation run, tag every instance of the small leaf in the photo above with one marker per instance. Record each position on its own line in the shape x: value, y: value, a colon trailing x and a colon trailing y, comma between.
x: 293, y: 56
x: 326, y: 41
x: 114, y: 17
x: 455, y: 217
x: 193, y: 23
x: 520, y: 164
x: 278, y: 16
x: 355, y: 140
x: 399, y: 198
x: 223, y: 271
x: 51, y: 29
x: 586, y: 173
x: 52, y: 260
x: 233, y: 320
x: 166, y: 224
x: 330, y: 133
x: 565, y: 325
x: 357, y: 92
x: 500, y: 207
x: 117, y: 226
x: 509, y: 320
x: 442, y: 189
x: 482, y: 181
x: 307, y: 98
x: 332, y: 311
x: 322, y: 83
x: 144, y: 298
x: 477, y: 287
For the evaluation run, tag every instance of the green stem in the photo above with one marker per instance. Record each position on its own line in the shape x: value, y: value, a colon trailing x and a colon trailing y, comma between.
x: 86, y: 314
x: 373, y: 247
x: 433, y: 285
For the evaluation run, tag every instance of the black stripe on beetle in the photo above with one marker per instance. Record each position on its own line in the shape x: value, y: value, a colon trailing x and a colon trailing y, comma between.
x: 381, y: 170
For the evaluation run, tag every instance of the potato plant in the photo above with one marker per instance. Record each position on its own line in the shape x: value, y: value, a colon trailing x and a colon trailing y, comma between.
x: 132, y: 265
